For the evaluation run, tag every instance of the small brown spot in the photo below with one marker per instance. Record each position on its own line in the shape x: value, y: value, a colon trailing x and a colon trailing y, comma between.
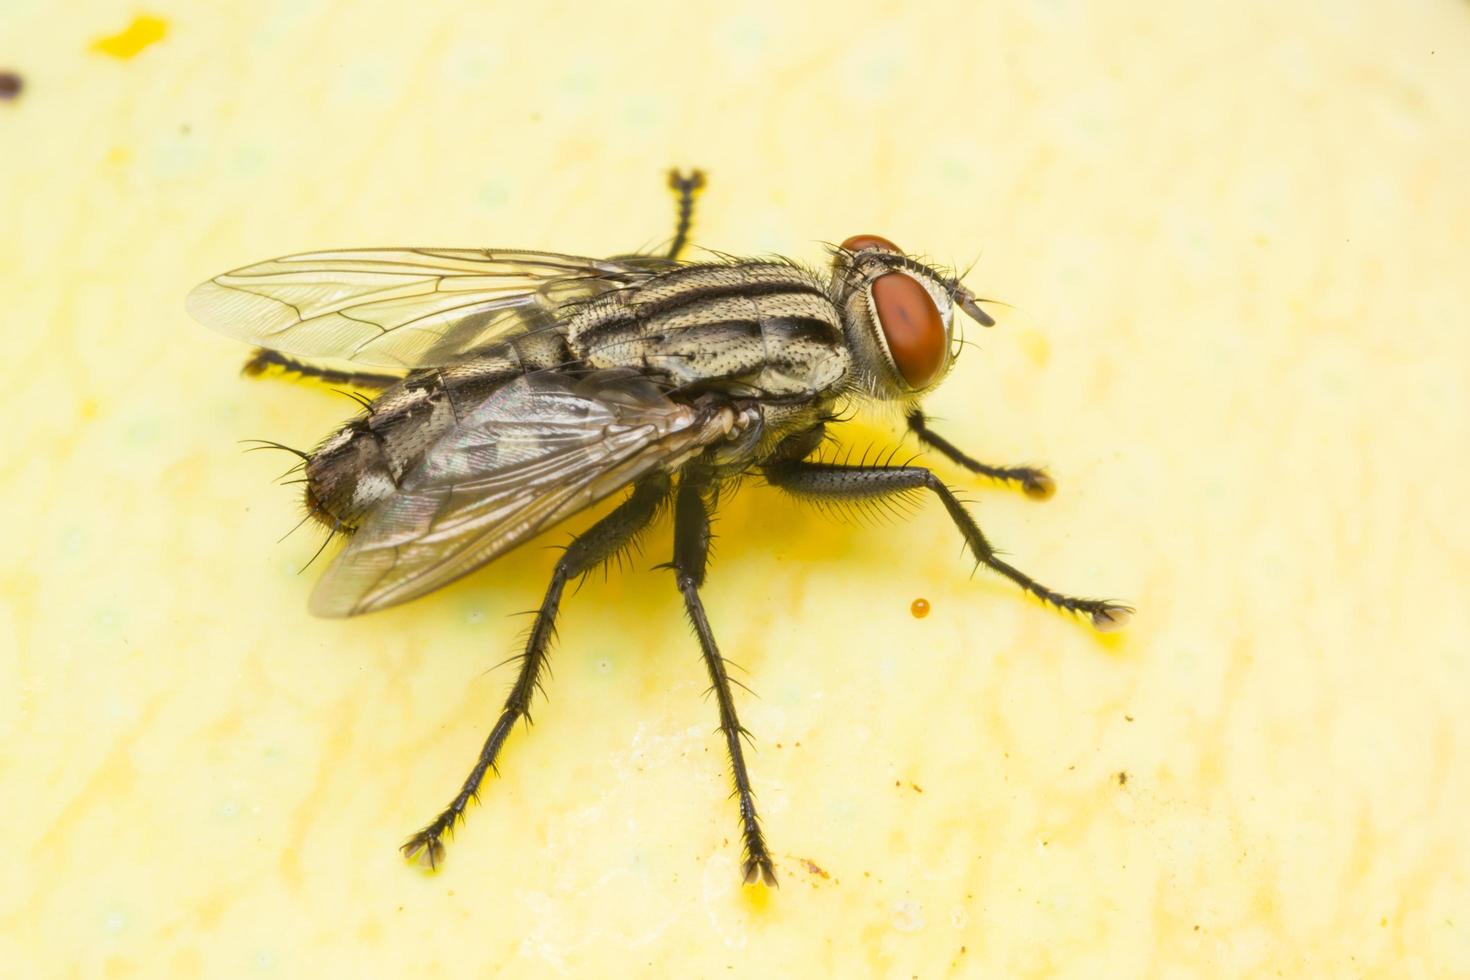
x: 916, y: 787
x: 919, y: 607
x: 1127, y: 717
x: 813, y: 868
x: 10, y: 85
x: 1122, y: 778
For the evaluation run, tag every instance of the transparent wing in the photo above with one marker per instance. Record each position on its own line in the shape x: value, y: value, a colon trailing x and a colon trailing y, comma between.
x: 400, y: 307
x: 537, y: 451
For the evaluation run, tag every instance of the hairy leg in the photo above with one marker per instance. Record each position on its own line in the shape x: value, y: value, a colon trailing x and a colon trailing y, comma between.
x: 592, y: 547
x: 686, y: 188
x: 1035, y: 482
x: 829, y: 481
x: 263, y: 360
x: 691, y: 556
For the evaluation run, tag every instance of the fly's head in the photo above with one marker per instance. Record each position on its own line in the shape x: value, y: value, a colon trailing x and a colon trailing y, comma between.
x: 898, y: 315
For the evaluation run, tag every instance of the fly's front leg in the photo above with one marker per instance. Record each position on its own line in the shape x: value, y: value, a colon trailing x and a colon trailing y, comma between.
x: 1035, y: 482
x: 592, y: 547
x: 263, y: 360
x: 691, y: 554
x: 686, y: 189
x: 833, y: 482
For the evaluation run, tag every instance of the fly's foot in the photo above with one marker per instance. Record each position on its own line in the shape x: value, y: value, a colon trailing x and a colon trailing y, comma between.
x: 259, y: 362
x: 425, y: 848
x: 680, y: 184
x: 1109, y: 617
x: 758, y: 867
x: 1037, y: 484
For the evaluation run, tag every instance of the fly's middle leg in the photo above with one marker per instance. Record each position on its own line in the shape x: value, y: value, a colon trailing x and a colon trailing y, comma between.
x: 830, y: 481
x: 691, y: 555
x: 1037, y: 484
x: 591, y: 548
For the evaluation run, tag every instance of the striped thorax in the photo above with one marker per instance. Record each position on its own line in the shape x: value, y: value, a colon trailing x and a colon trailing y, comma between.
x: 764, y: 330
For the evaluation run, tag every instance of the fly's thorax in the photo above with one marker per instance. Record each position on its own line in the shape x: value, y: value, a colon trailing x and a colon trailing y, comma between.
x: 898, y: 317
x: 752, y: 329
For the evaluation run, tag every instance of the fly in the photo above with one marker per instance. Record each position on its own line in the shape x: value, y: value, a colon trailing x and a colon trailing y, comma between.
x: 517, y: 388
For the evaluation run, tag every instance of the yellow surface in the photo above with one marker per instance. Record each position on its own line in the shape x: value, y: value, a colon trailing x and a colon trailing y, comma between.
x: 1235, y: 240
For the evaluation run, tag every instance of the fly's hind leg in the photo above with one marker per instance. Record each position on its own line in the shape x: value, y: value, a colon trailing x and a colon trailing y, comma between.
x: 691, y: 555
x: 1037, y: 484
x: 591, y: 548
x: 263, y: 360
x: 834, y: 482
x: 686, y: 189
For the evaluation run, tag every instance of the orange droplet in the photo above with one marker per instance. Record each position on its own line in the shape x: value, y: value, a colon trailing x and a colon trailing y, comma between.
x: 920, y: 608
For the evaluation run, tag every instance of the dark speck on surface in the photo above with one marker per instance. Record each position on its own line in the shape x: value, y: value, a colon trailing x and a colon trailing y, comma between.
x: 10, y: 85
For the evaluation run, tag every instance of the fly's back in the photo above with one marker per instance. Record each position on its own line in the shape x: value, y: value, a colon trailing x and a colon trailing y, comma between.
x: 755, y: 329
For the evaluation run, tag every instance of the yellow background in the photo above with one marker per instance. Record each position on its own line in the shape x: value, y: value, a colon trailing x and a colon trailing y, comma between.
x: 1234, y: 241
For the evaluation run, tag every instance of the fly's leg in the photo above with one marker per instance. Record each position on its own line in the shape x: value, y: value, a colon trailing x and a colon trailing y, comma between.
x: 1035, y: 482
x: 588, y: 550
x: 691, y: 555
x: 263, y: 360
x: 833, y: 482
x: 686, y: 189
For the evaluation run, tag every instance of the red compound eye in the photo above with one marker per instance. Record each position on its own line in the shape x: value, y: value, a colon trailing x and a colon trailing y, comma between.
x: 912, y: 326
x: 859, y: 242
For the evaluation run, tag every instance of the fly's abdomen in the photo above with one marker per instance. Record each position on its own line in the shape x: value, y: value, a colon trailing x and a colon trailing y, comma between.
x: 364, y: 461
x: 757, y: 329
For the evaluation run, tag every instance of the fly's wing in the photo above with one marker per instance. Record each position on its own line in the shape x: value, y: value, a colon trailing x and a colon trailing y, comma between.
x: 401, y: 307
x: 537, y: 451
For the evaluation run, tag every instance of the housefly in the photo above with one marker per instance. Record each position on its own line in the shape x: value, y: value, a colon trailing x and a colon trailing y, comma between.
x: 517, y: 388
